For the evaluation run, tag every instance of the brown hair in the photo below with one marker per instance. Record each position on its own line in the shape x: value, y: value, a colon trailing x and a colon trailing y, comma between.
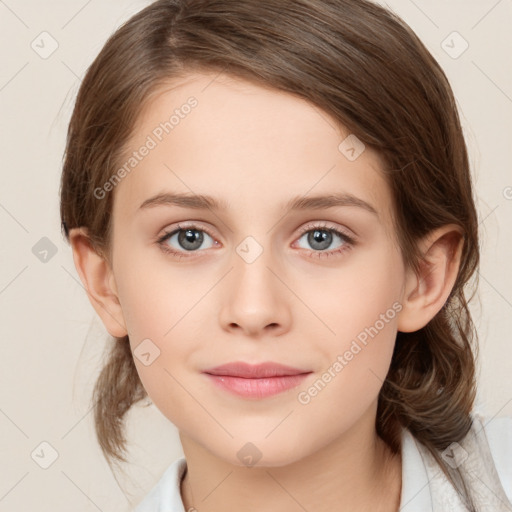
x: 364, y: 66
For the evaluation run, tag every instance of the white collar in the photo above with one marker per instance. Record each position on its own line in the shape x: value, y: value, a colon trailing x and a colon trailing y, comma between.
x: 415, y: 495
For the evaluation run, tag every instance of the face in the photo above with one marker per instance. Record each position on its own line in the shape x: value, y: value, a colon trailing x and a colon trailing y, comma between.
x: 269, y: 274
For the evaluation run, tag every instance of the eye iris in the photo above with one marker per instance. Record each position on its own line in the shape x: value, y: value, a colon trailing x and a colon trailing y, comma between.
x: 322, y: 237
x: 189, y: 237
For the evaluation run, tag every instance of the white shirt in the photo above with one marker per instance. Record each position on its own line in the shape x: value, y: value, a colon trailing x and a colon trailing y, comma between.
x: 486, y: 452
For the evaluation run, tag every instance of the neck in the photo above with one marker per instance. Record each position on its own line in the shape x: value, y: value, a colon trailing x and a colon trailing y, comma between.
x: 356, y: 472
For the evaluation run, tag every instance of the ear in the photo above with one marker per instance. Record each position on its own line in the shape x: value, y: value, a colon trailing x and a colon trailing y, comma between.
x: 425, y: 294
x: 98, y: 280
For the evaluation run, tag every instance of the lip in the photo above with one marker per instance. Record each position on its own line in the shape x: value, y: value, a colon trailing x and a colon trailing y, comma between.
x: 256, y: 371
x: 256, y: 381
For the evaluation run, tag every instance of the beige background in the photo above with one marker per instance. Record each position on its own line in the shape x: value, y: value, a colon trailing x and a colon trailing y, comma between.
x: 51, y: 341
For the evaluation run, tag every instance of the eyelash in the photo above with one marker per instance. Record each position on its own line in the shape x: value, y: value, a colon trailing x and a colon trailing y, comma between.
x: 349, y: 241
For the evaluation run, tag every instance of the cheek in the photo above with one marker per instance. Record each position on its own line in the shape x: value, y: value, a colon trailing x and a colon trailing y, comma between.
x: 363, y: 317
x: 154, y: 293
x: 356, y: 360
x: 356, y: 295
x: 161, y: 307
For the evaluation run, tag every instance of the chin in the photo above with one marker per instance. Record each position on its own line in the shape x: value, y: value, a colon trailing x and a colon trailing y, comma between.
x: 264, y: 454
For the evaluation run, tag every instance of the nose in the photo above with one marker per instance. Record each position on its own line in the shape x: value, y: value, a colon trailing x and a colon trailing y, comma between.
x: 255, y: 299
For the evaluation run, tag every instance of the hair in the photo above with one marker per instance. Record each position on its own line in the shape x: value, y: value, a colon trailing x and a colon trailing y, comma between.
x: 364, y: 66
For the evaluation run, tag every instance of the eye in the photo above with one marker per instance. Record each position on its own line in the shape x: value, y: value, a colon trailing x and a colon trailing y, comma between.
x: 321, y: 237
x: 185, y: 239
x: 190, y: 238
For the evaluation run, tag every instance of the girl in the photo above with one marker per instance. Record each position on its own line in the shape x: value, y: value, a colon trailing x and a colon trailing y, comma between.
x: 270, y: 206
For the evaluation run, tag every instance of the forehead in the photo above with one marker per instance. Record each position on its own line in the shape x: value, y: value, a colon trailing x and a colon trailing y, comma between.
x: 245, y: 144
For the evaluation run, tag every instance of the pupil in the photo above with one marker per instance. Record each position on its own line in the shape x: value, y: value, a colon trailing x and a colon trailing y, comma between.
x: 190, y: 239
x: 321, y: 237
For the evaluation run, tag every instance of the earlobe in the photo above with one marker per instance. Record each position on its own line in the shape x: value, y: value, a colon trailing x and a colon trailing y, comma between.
x: 426, y: 293
x: 98, y: 280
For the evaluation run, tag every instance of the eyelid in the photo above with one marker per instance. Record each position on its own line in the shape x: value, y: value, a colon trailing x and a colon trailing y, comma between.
x: 325, y: 225
x: 185, y: 225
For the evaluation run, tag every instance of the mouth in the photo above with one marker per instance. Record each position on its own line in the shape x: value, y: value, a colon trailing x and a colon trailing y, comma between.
x: 256, y: 381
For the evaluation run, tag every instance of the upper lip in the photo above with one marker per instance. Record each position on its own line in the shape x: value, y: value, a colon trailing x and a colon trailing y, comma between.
x: 258, y: 371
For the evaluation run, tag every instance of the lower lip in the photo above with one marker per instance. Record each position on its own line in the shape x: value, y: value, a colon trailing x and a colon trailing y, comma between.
x: 257, y: 388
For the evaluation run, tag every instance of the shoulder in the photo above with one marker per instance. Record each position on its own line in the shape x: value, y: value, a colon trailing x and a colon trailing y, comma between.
x: 165, y: 495
x: 498, y: 434
x: 483, y: 458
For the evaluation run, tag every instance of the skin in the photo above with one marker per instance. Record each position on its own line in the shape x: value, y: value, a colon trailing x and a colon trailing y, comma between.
x: 255, y: 148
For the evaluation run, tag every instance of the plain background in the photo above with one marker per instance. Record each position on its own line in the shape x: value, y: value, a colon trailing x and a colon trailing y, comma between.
x: 51, y: 341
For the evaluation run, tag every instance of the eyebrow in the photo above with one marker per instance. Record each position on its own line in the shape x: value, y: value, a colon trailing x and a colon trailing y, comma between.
x: 206, y: 202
